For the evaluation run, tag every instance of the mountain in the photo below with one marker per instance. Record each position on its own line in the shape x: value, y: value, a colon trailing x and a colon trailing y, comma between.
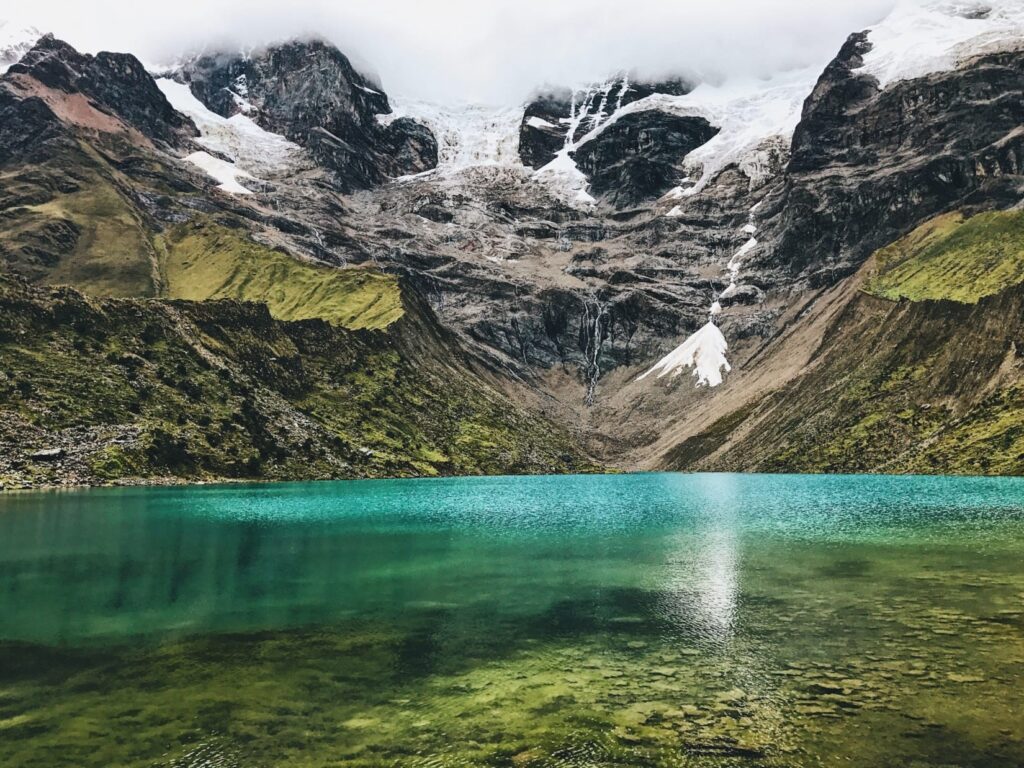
x: 819, y: 271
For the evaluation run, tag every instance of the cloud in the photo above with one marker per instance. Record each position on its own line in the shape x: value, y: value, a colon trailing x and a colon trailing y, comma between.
x: 494, y: 51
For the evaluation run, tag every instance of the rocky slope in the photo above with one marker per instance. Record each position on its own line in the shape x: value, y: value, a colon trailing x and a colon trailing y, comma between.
x: 748, y: 238
x: 925, y: 385
x: 100, y: 390
x: 310, y: 93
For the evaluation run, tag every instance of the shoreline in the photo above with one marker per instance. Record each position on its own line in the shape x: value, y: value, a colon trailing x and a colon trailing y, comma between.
x: 177, y: 482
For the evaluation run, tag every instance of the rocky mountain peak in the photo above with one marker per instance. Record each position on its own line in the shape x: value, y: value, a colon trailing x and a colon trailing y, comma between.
x: 309, y: 92
x: 116, y: 84
x: 558, y: 118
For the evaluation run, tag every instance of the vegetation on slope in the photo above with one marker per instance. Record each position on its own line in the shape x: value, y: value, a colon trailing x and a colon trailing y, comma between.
x: 77, y: 224
x: 207, y: 261
x: 155, y: 389
x: 953, y: 257
x: 923, y: 387
x: 69, y: 224
x: 933, y: 385
x: 328, y: 375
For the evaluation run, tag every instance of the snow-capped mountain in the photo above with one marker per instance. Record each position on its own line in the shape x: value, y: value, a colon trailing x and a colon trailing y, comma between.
x: 652, y: 256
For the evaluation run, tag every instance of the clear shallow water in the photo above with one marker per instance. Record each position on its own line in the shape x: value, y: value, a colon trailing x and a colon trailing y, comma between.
x: 642, y: 620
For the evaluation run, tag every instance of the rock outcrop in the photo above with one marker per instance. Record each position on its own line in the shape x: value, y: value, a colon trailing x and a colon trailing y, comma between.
x: 869, y: 164
x: 558, y: 118
x: 93, y: 90
x: 309, y: 92
x: 639, y: 157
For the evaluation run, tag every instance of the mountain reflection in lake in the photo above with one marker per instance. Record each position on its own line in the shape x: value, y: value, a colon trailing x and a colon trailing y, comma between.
x: 628, y: 620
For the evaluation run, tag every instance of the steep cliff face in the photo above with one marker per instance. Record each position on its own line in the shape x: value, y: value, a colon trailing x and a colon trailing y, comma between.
x: 557, y: 119
x: 639, y: 157
x: 309, y: 92
x: 870, y: 163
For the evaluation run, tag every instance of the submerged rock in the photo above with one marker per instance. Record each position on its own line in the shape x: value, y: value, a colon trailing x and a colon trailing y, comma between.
x: 47, y: 454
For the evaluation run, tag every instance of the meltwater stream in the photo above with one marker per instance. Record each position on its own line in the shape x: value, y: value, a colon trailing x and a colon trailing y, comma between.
x: 635, y: 620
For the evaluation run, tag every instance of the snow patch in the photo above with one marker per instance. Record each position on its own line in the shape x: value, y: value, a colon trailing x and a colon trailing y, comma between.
x: 920, y: 37
x: 253, y: 149
x: 473, y: 136
x: 468, y: 135
x: 704, y: 352
x: 566, y: 179
x: 539, y: 122
x: 221, y: 170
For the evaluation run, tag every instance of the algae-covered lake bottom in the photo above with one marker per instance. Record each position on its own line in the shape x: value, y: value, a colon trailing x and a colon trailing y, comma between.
x: 635, y: 620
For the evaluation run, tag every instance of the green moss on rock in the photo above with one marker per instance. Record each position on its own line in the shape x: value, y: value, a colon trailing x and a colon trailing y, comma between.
x: 953, y: 257
x: 207, y: 261
x: 154, y: 389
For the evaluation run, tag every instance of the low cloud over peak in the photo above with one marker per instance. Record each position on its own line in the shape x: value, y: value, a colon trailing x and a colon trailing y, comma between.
x: 496, y: 51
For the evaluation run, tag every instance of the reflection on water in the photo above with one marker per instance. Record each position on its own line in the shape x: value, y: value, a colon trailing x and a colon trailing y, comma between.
x: 651, y: 620
x: 717, y: 557
x: 702, y: 561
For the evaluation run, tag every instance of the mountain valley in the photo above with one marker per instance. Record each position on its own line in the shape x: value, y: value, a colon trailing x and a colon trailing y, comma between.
x: 262, y: 266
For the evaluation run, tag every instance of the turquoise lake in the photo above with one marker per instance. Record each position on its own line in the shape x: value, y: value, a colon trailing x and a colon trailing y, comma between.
x: 631, y: 620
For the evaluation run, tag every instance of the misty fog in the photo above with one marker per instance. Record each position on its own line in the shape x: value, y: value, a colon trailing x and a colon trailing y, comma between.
x: 491, y: 51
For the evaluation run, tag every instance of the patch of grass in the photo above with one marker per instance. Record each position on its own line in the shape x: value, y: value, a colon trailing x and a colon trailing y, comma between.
x: 207, y: 261
x: 989, y: 440
x: 113, y: 255
x: 89, y: 239
x: 953, y: 257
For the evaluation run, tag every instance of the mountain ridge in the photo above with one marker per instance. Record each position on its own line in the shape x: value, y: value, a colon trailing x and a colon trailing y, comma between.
x: 629, y: 217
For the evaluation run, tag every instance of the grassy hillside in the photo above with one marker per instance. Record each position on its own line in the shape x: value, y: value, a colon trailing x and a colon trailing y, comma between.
x: 68, y: 223
x: 245, y: 363
x: 924, y: 387
x: 152, y: 389
x: 78, y: 222
x: 207, y: 261
x: 953, y: 257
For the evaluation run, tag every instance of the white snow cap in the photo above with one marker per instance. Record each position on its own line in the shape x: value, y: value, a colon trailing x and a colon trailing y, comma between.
x: 920, y: 37
x: 565, y: 178
x: 704, y: 352
x: 253, y: 149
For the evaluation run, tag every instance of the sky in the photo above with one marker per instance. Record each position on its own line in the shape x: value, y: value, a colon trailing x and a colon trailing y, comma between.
x: 486, y: 51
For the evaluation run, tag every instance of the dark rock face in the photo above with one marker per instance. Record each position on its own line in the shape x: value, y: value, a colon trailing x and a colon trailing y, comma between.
x: 549, y: 117
x: 637, y: 157
x: 633, y: 159
x: 115, y: 83
x: 543, y: 130
x: 870, y: 164
x: 29, y: 128
x: 311, y: 93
